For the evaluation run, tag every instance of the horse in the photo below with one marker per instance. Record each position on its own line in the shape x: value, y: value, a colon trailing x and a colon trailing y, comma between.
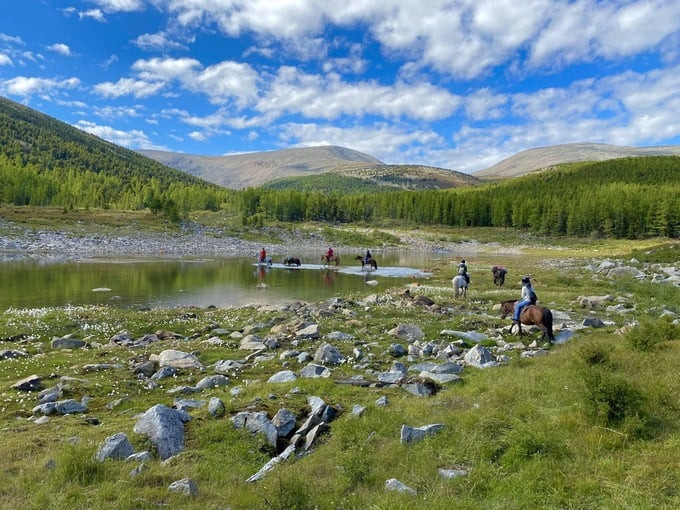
x: 499, y: 273
x: 267, y: 261
x: 364, y: 262
x: 328, y: 261
x: 531, y: 315
x: 460, y: 286
x: 292, y: 261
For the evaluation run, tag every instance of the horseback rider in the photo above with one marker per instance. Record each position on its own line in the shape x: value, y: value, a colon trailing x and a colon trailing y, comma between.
x: 528, y: 298
x: 463, y: 271
x: 329, y: 254
x: 263, y: 255
x: 368, y: 257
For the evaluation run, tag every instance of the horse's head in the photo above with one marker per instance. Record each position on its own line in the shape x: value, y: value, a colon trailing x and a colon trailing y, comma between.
x: 507, y: 307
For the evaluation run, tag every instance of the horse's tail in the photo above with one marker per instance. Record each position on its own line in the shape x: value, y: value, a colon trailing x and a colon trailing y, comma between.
x: 548, y: 323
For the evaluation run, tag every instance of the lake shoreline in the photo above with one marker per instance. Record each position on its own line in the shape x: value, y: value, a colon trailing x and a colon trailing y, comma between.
x: 18, y: 242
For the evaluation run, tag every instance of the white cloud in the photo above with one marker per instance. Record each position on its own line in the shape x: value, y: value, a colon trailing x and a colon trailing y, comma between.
x: 60, y: 48
x: 116, y: 112
x: 5, y: 60
x: 134, y: 139
x: 11, y: 39
x: 25, y: 86
x: 128, y: 86
x: 95, y: 14
x: 120, y: 5
x: 383, y: 141
x: 328, y: 97
x: 159, y: 41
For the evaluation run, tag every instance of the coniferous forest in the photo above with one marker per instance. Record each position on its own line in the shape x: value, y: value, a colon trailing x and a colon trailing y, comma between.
x: 44, y: 162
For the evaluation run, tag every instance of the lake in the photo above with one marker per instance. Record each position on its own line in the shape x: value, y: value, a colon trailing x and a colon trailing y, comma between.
x: 223, y: 282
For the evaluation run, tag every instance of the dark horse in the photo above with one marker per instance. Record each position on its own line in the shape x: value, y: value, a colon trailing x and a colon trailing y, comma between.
x: 335, y: 259
x: 291, y: 261
x: 370, y: 262
x: 532, y: 315
x: 499, y: 273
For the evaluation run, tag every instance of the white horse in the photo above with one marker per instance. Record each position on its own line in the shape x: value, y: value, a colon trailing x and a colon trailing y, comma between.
x: 460, y: 286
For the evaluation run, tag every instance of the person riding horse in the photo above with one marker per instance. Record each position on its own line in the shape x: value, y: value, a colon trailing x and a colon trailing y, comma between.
x: 263, y: 256
x: 463, y: 271
x: 368, y: 257
x: 528, y: 298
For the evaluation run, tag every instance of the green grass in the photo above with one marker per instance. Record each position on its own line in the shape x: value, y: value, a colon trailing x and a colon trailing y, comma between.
x: 595, y: 424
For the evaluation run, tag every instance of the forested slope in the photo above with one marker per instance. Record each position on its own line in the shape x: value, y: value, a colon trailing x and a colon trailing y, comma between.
x: 44, y: 161
x: 627, y: 198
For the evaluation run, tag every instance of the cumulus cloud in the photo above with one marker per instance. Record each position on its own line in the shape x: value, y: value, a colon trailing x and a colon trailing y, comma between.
x: 60, y: 48
x: 5, y: 60
x: 128, y: 86
x: 120, y: 5
x: 384, y: 141
x: 329, y: 97
x: 27, y: 86
x: 159, y: 41
x: 134, y: 139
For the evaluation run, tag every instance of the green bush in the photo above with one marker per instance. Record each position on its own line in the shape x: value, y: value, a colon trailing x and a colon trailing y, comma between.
x: 651, y: 332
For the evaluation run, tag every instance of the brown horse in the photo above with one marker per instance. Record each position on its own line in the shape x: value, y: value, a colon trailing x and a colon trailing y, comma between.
x: 292, y: 261
x: 531, y: 315
x: 325, y: 260
x: 499, y: 273
x: 371, y: 262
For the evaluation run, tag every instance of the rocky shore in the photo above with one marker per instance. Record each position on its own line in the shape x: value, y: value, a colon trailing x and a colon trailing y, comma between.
x: 18, y: 242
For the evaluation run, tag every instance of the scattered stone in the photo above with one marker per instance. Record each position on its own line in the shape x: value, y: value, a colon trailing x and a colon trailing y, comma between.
x: 116, y: 447
x: 395, y: 485
x: 283, y: 376
x: 186, y: 486
x: 216, y: 407
x: 415, y: 434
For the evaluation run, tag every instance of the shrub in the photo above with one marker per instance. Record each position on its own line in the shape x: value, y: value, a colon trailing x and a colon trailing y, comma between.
x: 649, y: 333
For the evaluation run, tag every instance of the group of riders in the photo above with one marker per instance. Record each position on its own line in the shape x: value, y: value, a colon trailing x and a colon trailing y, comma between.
x: 528, y: 295
x: 329, y: 256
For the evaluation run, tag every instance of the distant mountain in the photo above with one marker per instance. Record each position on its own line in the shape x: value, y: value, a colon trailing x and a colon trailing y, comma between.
x: 546, y: 157
x: 254, y: 169
x: 355, y: 179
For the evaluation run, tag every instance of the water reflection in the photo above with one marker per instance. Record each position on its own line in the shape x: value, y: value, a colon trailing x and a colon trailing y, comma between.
x: 199, y: 282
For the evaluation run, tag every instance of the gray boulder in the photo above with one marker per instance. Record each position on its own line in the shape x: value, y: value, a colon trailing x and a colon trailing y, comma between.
x: 164, y: 427
x: 116, y: 447
x: 414, y: 434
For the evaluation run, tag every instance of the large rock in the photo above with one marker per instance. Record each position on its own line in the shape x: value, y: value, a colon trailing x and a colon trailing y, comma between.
x: 480, y: 357
x: 408, y: 332
x: 256, y: 423
x: 328, y: 354
x: 178, y: 359
x: 165, y: 428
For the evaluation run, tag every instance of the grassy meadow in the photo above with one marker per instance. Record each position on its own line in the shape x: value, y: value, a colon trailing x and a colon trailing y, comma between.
x: 593, y: 424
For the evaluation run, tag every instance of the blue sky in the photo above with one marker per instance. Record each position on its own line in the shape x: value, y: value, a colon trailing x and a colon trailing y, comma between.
x: 458, y: 84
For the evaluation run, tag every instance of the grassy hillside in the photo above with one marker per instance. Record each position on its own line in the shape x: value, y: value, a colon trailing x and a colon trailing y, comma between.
x: 591, y: 423
x: 357, y: 179
x: 47, y: 162
x: 543, y: 158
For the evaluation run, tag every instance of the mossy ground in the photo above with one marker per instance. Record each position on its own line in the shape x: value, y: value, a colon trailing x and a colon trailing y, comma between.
x: 595, y: 424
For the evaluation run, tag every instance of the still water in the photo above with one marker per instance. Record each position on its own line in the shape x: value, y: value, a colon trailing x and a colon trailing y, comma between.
x: 223, y: 282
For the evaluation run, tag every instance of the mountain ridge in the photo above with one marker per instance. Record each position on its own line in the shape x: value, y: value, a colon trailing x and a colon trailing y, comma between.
x: 542, y: 158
